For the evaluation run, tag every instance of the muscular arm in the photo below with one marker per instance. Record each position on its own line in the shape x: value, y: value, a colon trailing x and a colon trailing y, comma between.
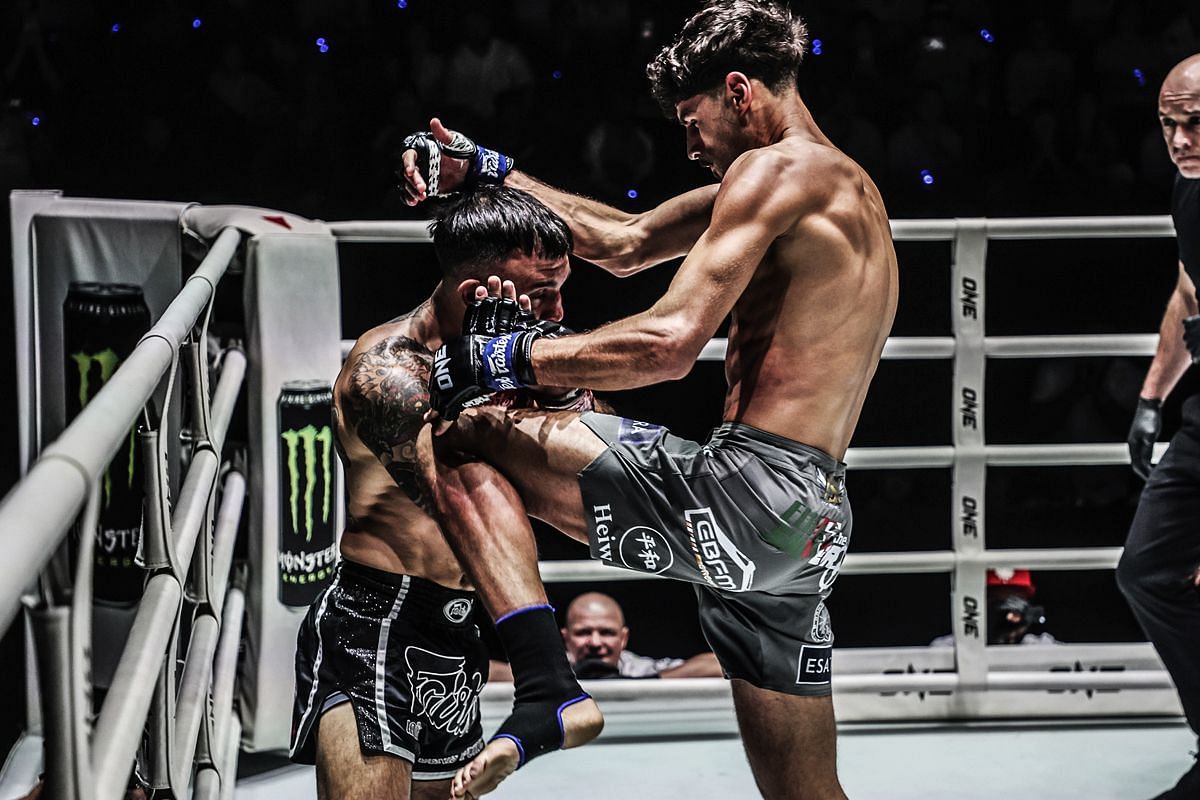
x: 385, y: 399
x: 664, y: 341
x: 618, y: 241
x: 1171, y: 359
x: 703, y: 665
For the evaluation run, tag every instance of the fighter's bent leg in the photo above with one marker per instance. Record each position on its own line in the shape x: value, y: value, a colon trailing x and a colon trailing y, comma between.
x: 485, y: 523
x: 790, y: 741
x: 541, y: 453
x: 343, y: 771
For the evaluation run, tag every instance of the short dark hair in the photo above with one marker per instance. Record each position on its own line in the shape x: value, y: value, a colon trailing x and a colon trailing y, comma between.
x: 481, y: 227
x: 760, y: 38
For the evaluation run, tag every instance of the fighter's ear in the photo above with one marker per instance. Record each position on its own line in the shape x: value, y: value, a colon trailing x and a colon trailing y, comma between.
x: 739, y: 91
x: 466, y: 290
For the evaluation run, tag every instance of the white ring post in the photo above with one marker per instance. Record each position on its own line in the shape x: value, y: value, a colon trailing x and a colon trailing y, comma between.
x: 969, y: 603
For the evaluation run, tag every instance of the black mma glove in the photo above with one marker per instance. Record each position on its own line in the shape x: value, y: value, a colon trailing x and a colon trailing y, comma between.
x: 1143, y: 433
x: 493, y: 316
x: 468, y: 368
x: 1191, y: 336
x: 483, y: 165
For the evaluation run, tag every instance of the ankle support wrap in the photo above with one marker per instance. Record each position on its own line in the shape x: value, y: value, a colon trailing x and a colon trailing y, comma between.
x: 543, y: 683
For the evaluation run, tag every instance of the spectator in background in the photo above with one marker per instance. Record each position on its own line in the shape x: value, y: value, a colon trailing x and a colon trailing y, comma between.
x: 482, y: 68
x: 1011, y: 614
x: 619, y: 155
x: 1181, y: 37
x: 926, y: 150
x: 595, y: 635
x: 1038, y: 73
x: 1012, y: 618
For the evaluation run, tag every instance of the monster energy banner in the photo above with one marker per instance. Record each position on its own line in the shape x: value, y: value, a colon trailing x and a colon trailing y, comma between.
x: 307, y: 549
x: 102, y: 323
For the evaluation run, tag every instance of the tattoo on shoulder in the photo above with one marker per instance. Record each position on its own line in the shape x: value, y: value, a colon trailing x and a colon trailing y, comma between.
x: 388, y: 396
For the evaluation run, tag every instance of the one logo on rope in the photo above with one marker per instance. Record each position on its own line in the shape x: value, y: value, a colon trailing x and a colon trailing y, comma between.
x: 645, y: 549
x: 719, y: 560
x: 302, y: 444
x: 441, y: 691
x: 107, y: 361
x: 457, y: 610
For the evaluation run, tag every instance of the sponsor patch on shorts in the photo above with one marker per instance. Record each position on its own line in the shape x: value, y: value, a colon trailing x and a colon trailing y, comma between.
x: 645, y: 549
x: 719, y: 560
x: 632, y: 431
x: 816, y: 664
x: 457, y: 610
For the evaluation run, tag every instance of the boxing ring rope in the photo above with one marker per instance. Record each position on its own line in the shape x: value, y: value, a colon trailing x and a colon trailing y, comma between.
x: 187, y: 556
x: 188, y: 549
x: 967, y: 458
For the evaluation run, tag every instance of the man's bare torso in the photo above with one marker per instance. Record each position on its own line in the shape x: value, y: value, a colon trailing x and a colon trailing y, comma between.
x: 808, y: 330
x: 380, y: 393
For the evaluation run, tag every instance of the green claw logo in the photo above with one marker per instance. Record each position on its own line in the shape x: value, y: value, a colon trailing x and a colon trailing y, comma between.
x: 797, y: 534
x: 108, y: 361
x: 306, y: 439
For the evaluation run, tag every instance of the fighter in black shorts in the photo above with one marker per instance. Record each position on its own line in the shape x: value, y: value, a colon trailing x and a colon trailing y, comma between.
x: 389, y: 663
x: 794, y: 245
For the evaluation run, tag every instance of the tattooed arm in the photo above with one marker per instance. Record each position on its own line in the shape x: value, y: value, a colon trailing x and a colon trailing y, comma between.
x: 386, y: 397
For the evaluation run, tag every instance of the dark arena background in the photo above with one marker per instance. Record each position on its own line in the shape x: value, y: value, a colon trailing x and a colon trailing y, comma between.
x: 957, y: 109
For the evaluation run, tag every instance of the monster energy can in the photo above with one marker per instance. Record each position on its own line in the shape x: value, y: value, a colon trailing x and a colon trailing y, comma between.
x: 102, y: 323
x: 307, y: 491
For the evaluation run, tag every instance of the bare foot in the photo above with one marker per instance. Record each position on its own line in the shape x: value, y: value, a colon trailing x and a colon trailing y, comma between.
x: 582, y: 722
x: 484, y: 772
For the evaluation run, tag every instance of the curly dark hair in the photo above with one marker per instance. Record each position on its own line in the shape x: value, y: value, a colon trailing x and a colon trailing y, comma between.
x: 760, y: 38
x: 485, y: 225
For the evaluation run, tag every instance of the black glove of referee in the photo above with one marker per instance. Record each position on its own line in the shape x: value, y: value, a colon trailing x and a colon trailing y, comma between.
x: 1143, y: 433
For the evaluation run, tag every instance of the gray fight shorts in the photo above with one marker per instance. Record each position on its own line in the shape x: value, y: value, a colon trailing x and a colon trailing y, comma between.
x: 759, y: 523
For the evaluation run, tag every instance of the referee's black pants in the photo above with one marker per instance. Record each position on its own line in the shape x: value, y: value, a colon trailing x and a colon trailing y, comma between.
x: 1158, y: 568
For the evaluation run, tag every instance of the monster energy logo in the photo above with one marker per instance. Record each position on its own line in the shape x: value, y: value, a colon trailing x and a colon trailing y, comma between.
x: 108, y: 362
x: 306, y: 439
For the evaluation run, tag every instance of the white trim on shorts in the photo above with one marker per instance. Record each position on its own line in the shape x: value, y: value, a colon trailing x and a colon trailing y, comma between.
x: 316, y: 670
x: 385, y: 734
x: 431, y: 776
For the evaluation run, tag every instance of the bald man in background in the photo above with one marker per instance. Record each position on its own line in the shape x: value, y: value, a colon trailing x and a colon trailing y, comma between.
x: 596, y: 635
x: 1159, y: 571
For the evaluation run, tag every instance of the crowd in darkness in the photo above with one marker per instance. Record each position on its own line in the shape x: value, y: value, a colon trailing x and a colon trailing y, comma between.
x: 955, y: 107
x: 972, y: 107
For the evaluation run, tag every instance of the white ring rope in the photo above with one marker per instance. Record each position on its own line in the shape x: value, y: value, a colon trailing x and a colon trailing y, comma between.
x: 38, y: 512
x: 969, y: 457
x: 32, y: 528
